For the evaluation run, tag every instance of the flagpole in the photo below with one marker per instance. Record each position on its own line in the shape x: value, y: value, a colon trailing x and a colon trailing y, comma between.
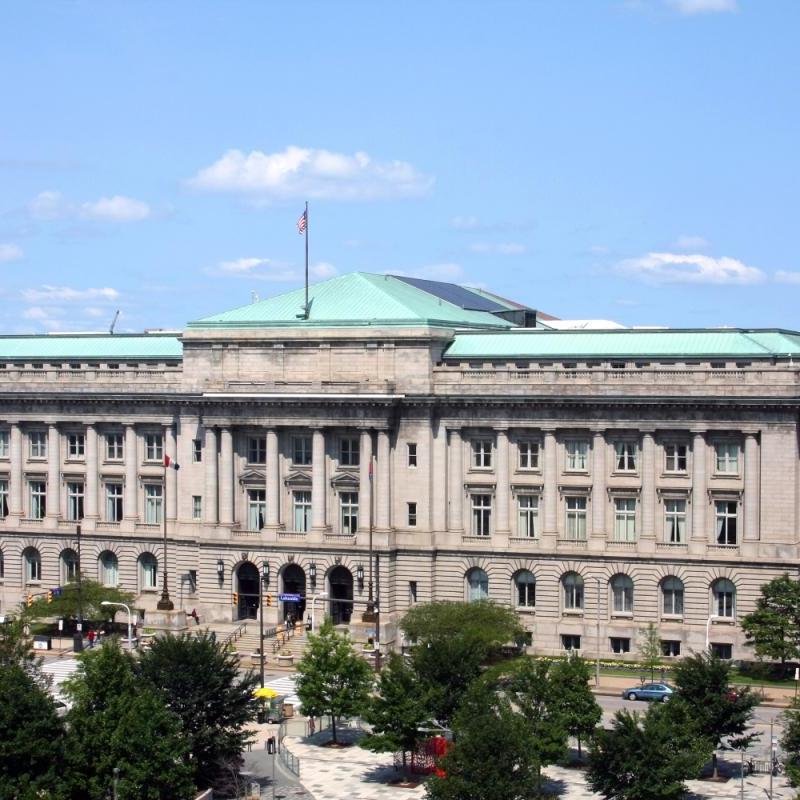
x: 306, y: 305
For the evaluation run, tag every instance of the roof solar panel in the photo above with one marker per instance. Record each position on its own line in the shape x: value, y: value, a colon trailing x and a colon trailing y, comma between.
x: 457, y: 295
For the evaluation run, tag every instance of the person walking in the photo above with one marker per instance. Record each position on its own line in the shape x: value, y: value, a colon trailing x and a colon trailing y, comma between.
x: 91, y: 636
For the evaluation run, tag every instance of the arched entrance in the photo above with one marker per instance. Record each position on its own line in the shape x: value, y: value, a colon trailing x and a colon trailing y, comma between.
x: 247, y: 585
x: 340, y: 582
x: 294, y: 583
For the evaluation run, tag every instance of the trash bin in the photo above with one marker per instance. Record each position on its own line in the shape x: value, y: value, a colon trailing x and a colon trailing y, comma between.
x: 271, y: 744
x: 41, y: 643
x: 77, y: 642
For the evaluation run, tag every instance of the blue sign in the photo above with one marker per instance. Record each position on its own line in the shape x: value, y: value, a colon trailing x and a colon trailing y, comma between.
x: 290, y: 598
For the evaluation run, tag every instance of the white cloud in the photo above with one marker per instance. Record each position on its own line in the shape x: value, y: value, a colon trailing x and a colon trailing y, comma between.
x: 465, y: 223
x: 10, y: 252
x: 36, y: 312
x: 243, y: 265
x: 322, y: 271
x: 690, y: 243
x: 787, y: 277
x: 663, y: 268
x: 599, y: 249
x: 434, y: 272
x: 116, y: 209
x: 264, y: 269
x: 502, y: 249
x: 48, y: 205
x: 60, y: 294
x: 692, y: 7
x: 94, y: 312
x: 300, y: 172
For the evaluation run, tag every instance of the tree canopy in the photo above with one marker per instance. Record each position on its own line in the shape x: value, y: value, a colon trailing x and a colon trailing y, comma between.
x: 649, y: 645
x: 577, y: 703
x: 75, y: 601
x: 773, y: 629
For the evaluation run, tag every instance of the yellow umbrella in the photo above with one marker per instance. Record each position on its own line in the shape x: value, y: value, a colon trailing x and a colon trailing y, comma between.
x: 265, y: 693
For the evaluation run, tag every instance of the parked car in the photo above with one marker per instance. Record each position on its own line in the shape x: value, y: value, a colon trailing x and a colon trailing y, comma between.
x: 649, y: 691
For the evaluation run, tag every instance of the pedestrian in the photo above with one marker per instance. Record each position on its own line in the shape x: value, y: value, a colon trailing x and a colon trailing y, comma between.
x: 91, y: 637
x: 311, y: 726
x: 194, y: 616
x: 213, y: 637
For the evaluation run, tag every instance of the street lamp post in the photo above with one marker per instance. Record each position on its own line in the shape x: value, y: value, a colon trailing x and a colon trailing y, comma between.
x: 314, y: 598
x: 122, y: 605
x: 369, y: 613
x: 80, y: 587
x: 597, y: 662
x: 261, y: 584
x: 165, y: 603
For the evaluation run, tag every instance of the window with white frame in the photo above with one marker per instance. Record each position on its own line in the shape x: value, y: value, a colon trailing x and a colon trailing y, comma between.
x: 528, y: 455
x: 724, y: 598
x: 411, y: 450
x: 481, y: 514
x: 349, y: 453
x: 570, y: 641
x: 37, y: 444
x: 528, y: 515
x: 68, y: 562
x: 257, y: 450
x: 4, y: 444
x: 620, y: 644
x: 148, y: 572
x: 576, y: 518
x: 625, y: 456
x: 3, y: 498
x: 32, y: 562
x: 75, y: 491
x: 675, y: 458
x: 525, y: 589
x: 108, y: 569
x: 577, y: 455
x: 727, y: 516
x: 674, y: 520
x: 197, y: 450
x: 572, y: 586
x: 301, y: 450
x: 670, y: 648
x: 76, y: 445
x: 302, y: 510
x: 37, y: 499
x: 113, y: 502
x: 477, y: 585
x: 115, y: 446
x: 348, y: 505
x: 481, y: 453
x: 727, y: 458
x: 622, y: 594
x: 672, y: 596
x: 722, y: 650
x: 412, y: 515
x: 256, y: 508
x: 197, y: 506
x: 154, y: 447
x: 153, y: 503
x: 624, y: 519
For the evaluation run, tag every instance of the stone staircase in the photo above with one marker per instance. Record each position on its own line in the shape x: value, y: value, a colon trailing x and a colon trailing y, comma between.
x: 246, y: 642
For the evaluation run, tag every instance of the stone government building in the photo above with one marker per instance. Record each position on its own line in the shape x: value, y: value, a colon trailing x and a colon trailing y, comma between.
x: 588, y: 477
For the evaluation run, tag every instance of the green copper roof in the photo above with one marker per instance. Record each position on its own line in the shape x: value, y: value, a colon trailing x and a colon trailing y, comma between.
x: 353, y: 300
x: 90, y: 346
x: 532, y: 343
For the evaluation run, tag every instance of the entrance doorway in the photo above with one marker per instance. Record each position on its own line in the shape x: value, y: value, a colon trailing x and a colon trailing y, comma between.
x: 341, y: 592
x: 247, y: 585
x: 294, y: 582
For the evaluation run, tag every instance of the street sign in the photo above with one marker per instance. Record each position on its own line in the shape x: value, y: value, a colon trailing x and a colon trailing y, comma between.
x: 290, y: 598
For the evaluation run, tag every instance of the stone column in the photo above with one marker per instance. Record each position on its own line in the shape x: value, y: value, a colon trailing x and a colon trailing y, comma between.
x: 503, y: 490
x: 456, y: 481
x: 53, y: 510
x: 130, y: 508
x: 226, y: 477
x: 752, y: 488
x: 699, y: 536
x: 648, y: 487
x: 92, y: 476
x: 171, y: 509
x: 318, y: 492
x: 15, y: 457
x: 599, y: 498
x: 383, y: 498
x: 550, y: 527
x: 273, y: 480
x: 364, y: 483
x: 439, y: 479
x: 212, y: 470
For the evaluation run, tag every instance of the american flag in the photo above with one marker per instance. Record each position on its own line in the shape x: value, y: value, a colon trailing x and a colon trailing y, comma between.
x: 302, y: 222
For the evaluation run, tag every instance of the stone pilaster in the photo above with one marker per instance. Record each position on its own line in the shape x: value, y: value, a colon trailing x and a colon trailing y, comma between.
x: 456, y: 481
x: 752, y: 488
x: 226, y: 477
x: 383, y: 515
x: 211, y: 476
x: 15, y: 459
x: 170, y: 446
x: 550, y: 527
x: 318, y: 489
x: 53, y: 510
x: 130, y: 507
x: 364, y: 482
x: 91, y: 490
x: 699, y: 536
x: 273, y: 480
x: 597, y: 541
x: 648, y: 532
x: 439, y: 479
x: 503, y: 490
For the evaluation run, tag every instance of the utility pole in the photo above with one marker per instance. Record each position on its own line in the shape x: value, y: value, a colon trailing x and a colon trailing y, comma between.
x: 80, y: 585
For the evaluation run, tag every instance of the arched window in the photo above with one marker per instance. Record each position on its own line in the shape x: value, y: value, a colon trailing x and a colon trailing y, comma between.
x: 672, y: 595
x: 148, y: 572
x: 724, y: 597
x: 108, y: 569
x: 573, y: 591
x: 622, y: 594
x: 68, y: 563
x: 525, y: 589
x: 477, y: 585
x: 32, y: 564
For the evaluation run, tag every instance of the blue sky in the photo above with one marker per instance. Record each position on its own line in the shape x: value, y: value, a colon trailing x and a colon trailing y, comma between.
x: 633, y: 160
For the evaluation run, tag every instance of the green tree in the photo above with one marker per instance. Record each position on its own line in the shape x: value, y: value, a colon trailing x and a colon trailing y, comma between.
x: 118, y: 721
x: 15, y: 650
x: 452, y: 642
x: 74, y: 600
x: 649, y: 646
x: 790, y: 742
x: 31, y: 738
x: 704, y: 695
x: 397, y: 712
x: 199, y: 681
x: 331, y: 679
x: 645, y: 758
x: 773, y: 629
x: 581, y: 711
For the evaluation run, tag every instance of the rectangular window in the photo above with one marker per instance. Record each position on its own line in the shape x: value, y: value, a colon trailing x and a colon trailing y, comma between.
x: 153, y: 503
x: 569, y: 641
x: 349, y: 454
x: 38, y: 499
x: 726, y: 521
x: 257, y: 450
x: 675, y: 521
x: 3, y: 499
x: 302, y: 511
x: 348, y: 503
x: 301, y: 450
x: 256, y: 508
x: 192, y: 581
x: 577, y: 455
x: 576, y: 518
x: 153, y: 447
x: 727, y: 457
x: 76, y: 445
x: 671, y: 648
x: 4, y: 440
x: 624, y: 519
x: 528, y: 455
x: 197, y: 506
x: 620, y: 644
x: 412, y: 454
x: 197, y: 450
x: 675, y: 458
x: 37, y: 441
x: 412, y: 515
x: 528, y: 507
x: 481, y: 514
x: 75, y: 501
x: 115, y: 446
x: 412, y: 592
x: 723, y: 651
x: 113, y: 502
x: 625, y: 456
x: 482, y: 453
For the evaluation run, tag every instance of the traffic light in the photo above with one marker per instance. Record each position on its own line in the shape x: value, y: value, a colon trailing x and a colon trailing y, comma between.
x: 236, y: 598
x: 29, y: 600
x: 49, y: 595
x: 269, y: 599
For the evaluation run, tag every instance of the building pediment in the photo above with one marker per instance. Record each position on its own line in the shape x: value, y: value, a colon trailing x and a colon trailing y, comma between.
x: 298, y: 480
x: 345, y: 480
x: 253, y: 476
